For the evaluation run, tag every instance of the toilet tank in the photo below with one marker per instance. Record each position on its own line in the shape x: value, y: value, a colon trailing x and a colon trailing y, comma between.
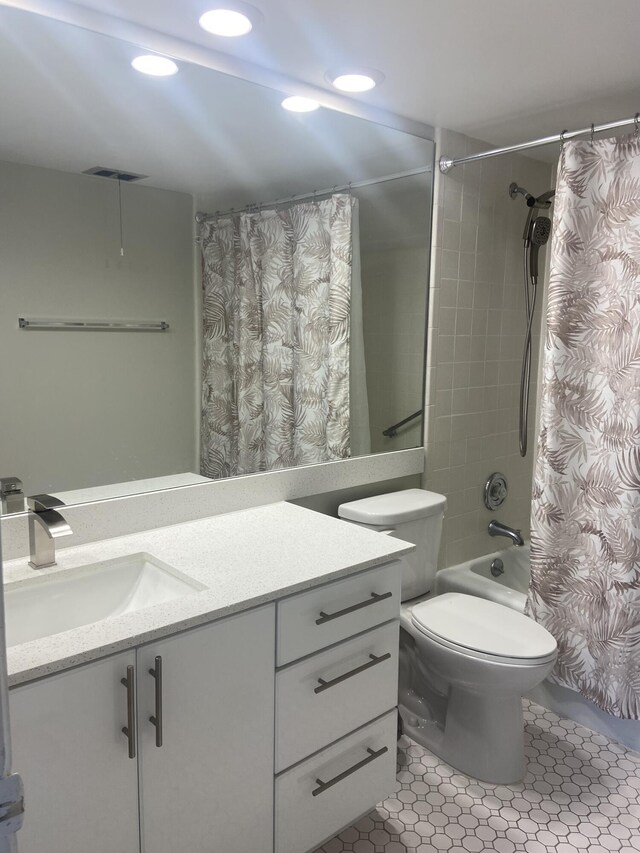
x: 414, y: 515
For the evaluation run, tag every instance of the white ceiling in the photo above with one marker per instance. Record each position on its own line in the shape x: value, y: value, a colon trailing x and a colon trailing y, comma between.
x: 501, y: 70
x: 70, y: 100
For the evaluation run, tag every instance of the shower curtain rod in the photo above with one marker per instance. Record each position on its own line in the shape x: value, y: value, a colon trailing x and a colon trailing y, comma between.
x: 208, y: 217
x: 447, y: 163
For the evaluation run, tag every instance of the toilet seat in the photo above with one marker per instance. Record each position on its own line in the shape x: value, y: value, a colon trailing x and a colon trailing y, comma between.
x: 483, y: 629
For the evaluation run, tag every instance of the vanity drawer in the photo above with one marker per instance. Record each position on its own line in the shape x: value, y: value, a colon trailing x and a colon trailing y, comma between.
x: 323, y: 697
x: 321, y: 796
x: 313, y: 620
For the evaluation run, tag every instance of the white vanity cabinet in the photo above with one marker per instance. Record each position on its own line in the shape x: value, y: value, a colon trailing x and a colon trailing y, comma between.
x: 81, y: 789
x: 209, y: 786
x: 336, y: 697
x: 194, y: 788
x: 240, y: 736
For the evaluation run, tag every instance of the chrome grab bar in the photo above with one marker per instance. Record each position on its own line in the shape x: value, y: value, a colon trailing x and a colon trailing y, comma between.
x: 91, y: 325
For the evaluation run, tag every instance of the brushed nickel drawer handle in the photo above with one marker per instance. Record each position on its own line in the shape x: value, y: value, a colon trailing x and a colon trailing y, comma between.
x: 130, y: 729
x: 323, y: 786
x: 374, y: 599
x: 325, y: 685
x: 156, y: 719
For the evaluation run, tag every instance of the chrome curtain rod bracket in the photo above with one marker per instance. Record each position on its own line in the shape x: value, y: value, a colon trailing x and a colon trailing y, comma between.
x: 89, y: 326
x: 447, y: 163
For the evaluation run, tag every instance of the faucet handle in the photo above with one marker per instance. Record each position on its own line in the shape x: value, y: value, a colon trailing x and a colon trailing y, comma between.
x: 41, y: 503
x: 11, y: 496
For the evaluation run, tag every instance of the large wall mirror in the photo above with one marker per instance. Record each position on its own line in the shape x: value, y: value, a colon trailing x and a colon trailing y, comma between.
x: 270, y: 270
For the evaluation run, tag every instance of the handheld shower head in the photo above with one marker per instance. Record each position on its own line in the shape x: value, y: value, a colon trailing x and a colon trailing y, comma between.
x: 542, y: 202
x: 539, y: 232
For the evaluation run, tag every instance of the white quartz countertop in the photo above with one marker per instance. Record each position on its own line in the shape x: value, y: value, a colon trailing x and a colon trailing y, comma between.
x: 243, y: 559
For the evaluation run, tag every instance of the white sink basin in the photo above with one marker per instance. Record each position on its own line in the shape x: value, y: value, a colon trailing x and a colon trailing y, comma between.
x: 42, y: 606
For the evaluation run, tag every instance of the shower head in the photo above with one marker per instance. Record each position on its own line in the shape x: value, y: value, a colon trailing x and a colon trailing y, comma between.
x: 540, y: 230
x: 539, y: 233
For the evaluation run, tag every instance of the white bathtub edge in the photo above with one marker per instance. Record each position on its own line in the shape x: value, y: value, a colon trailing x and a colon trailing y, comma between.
x: 462, y: 578
x: 568, y: 704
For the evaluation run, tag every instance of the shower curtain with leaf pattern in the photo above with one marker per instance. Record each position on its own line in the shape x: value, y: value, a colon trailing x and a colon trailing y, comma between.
x: 585, y: 542
x: 276, y: 333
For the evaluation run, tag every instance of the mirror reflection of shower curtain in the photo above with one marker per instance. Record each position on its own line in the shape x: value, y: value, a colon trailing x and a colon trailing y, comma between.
x: 359, y: 399
x: 276, y: 328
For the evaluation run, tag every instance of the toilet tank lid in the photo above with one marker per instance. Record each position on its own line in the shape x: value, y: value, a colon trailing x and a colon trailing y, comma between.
x: 394, y: 508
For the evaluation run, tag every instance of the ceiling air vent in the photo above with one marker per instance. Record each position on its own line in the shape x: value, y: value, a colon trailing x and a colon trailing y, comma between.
x: 114, y: 174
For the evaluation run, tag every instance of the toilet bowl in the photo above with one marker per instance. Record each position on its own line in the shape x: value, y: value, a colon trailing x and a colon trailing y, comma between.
x: 483, y: 659
x: 465, y: 662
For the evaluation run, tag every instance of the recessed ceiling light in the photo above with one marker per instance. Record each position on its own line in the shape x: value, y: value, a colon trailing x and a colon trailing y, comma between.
x: 297, y: 104
x: 355, y: 79
x: 156, y: 66
x: 226, y: 22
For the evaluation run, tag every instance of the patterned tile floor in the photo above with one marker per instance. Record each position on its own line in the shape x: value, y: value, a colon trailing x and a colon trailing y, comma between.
x: 581, y: 793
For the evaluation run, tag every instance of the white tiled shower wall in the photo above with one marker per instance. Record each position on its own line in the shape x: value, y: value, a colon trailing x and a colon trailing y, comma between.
x: 475, y: 342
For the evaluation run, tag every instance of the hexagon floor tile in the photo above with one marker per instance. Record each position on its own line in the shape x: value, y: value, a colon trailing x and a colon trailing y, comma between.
x: 581, y: 794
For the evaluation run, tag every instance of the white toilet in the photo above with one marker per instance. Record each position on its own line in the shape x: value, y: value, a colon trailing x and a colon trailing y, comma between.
x: 464, y: 662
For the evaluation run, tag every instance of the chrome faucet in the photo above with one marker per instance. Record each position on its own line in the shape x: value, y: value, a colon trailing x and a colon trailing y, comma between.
x: 11, y: 496
x: 497, y: 528
x: 45, y: 526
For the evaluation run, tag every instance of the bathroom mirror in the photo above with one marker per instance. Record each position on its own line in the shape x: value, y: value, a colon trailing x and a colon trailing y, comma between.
x: 134, y: 338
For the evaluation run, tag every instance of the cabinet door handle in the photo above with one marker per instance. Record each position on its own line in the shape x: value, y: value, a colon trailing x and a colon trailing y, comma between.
x: 156, y: 719
x: 373, y: 754
x: 130, y: 729
x: 374, y: 661
x: 373, y: 599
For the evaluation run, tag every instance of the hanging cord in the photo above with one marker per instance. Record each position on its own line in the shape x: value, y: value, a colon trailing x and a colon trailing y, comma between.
x: 120, y: 216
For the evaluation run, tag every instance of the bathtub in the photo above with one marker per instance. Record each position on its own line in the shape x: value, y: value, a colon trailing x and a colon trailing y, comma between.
x: 474, y: 578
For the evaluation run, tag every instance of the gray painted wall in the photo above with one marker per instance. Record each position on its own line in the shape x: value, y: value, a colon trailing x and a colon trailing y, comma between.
x: 86, y: 408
